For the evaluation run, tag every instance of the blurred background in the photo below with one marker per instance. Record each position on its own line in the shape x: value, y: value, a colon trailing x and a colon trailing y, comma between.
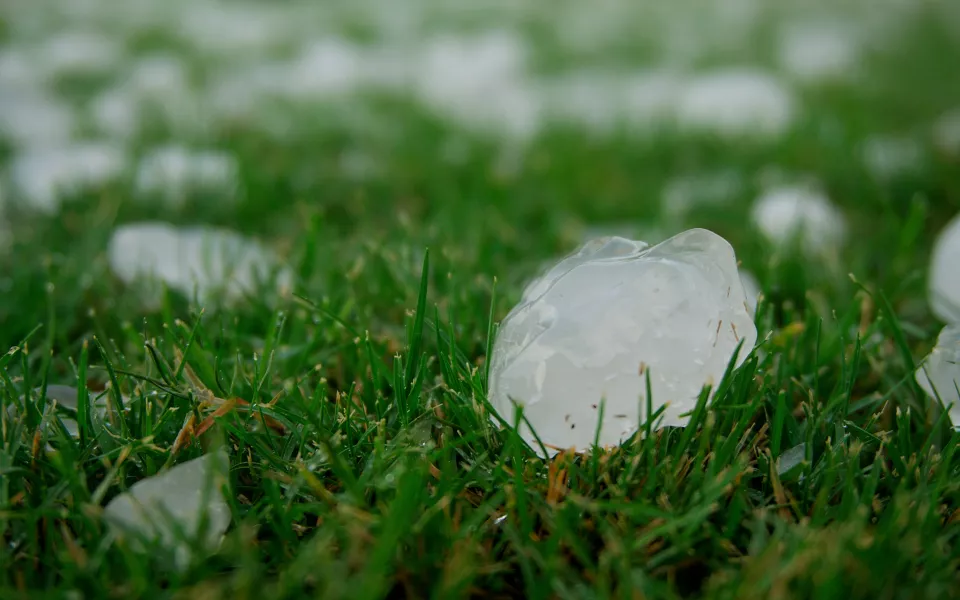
x: 501, y: 132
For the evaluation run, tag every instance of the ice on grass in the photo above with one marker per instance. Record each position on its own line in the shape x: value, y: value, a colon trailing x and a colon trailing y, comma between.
x: 42, y: 176
x: 587, y: 334
x: 888, y: 156
x: 79, y: 52
x: 939, y: 375
x: 209, y: 261
x: 174, y: 172
x: 751, y: 289
x: 788, y: 212
x: 736, y: 103
x: 816, y: 52
x: 944, y: 280
x: 182, y: 509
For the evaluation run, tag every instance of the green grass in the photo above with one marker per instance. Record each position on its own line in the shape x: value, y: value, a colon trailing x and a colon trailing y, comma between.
x: 390, y: 479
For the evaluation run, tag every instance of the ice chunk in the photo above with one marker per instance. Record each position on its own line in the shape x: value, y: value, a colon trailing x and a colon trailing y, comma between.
x: 785, y: 212
x: 735, y: 103
x: 944, y: 281
x: 791, y: 458
x: 683, y: 194
x: 175, y: 507
x: 891, y: 156
x: 42, y: 175
x: 174, y: 172
x: 751, y: 289
x: 79, y: 52
x: 209, y: 261
x: 593, y: 327
x: 940, y: 371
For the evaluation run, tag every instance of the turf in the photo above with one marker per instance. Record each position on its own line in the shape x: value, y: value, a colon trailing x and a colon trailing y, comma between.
x: 388, y: 476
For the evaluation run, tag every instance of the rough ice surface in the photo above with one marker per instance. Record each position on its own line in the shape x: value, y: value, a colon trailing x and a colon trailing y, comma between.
x: 42, y: 176
x: 736, y: 102
x: 174, y: 172
x: 170, y: 508
x: 786, y: 212
x: 939, y: 375
x: 944, y: 279
x: 208, y: 261
x: 818, y: 51
x: 592, y: 328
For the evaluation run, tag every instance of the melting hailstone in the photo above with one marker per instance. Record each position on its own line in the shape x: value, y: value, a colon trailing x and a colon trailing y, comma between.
x: 176, y: 507
x: 944, y: 282
x: 939, y: 375
x: 786, y: 212
x: 592, y: 329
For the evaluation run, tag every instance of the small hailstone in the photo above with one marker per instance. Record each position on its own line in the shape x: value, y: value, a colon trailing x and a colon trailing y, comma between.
x: 79, y: 53
x: 41, y: 176
x: 791, y: 458
x: 818, y: 51
x: 170, y: 508
x: 787, y: 211
x: 209, y: 261
x: 946, y: 132
x: 592, y: 329
x: 174, y: 172
x: 34, y: 118
x: 939, y: 375
x: 735, y: 103
x: 680, y: 196
x: 944, y: 279
x: 890, y: 156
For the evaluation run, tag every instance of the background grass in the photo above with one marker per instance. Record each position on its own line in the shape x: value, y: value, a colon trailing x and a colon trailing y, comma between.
x: 390, y: 479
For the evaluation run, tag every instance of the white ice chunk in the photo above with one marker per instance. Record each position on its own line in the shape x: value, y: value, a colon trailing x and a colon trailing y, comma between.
x: 175, y: 507
x: 79, y: 52
x: 944, y: 280
x: 939, y: 375
x: 174, y: 172
x: 41, y: 176
x: 593, y: 327
x: 785, y: 212
x: 736, y: 103
x: 33, y: 117
x: 818, y: 51
x: 209, y: 261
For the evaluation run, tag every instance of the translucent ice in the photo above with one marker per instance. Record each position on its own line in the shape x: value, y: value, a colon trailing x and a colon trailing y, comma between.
x: 171, y: 507
x: 596, y: 325
x: 941, y: 371
x: 788, y: 211
x: 944, y: 282
x: 207, y: 261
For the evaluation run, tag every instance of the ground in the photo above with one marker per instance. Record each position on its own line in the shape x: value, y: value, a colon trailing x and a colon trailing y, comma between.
x: 364, y: 460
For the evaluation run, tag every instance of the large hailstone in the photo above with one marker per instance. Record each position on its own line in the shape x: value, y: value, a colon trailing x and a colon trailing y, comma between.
x: 944, y: 282
x: 589, y: 331
x: 939, y: 375
x: 785, y: 212
x: 175, y: 507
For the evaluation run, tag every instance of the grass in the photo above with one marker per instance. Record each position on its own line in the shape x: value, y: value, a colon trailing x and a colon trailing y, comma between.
x: 390, y: 479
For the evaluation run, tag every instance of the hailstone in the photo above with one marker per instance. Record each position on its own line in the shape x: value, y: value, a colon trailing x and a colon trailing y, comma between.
x: 586, y: 336
x: 944, y: 282
x: 940, y: 371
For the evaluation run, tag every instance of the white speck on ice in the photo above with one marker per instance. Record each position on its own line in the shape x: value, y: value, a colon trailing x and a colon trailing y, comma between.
x: 175, y: 507
x: 940, y: 372
x: 818, y: 51
x: 736, y: 103
x: 175, y: 172
x: 209, y: 261
x: 944, y: 279
x: 593, y: 327
x: 42, y: 176
x: 785, y: 212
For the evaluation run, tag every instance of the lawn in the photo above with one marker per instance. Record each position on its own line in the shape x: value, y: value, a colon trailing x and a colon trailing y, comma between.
x: 409, y: 175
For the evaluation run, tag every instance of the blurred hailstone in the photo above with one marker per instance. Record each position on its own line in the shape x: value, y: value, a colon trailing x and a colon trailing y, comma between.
x: 818, y: 51
x: 682, y: 195
x: 946, y: 132
x: 42, y: 176
x: 889, y: 156
x: 736, y: 103
x: 209, y: 261
x: 174, y: 172
x: 182, y: 509
x: 79, y: 52
x: 944, y: 278
x: 786, y: 212
x: 939, y: 375
x: 592, y: 329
